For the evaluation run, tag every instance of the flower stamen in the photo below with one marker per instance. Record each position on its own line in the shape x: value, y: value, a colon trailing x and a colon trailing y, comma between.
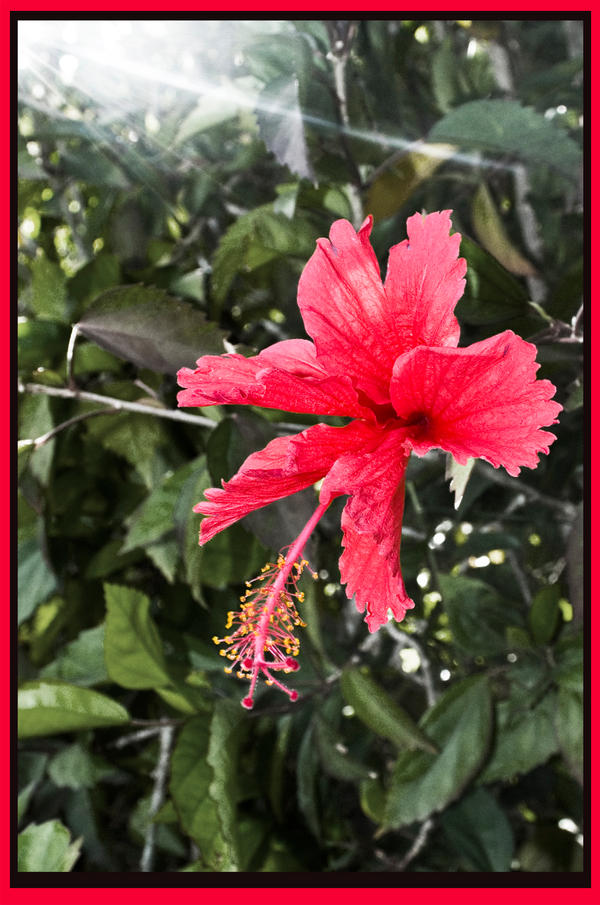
x: 263, y: 639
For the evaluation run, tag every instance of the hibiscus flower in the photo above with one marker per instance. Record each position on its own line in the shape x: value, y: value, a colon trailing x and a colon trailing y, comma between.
x: 386, y: 356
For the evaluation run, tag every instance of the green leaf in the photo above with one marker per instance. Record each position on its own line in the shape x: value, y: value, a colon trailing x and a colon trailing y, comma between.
x: 575, y: 397
x: 377, y: 710
x: 479, y: 830
x: 372, y: 799
x: 211, y: 110
x: 281, y: 125
x: 231, y: 557
x: 568, y: 653
x: 393, y: 188
x: 32, y: 767
x: 477, y: 615
x: 91, y: 164
x: 97, y: 275
x: 40, y: 343
x: 524, y: 738
x: 36, y: 581
x: 35, y: 419
x: 568, y: 722
x: 133, y: 649
x: 191, y: 777
x: 460, y: 724
x: 307, y: 768
x: 154, y: 518
x: 81, y: 662
x: 506, y: 127
x: 492, y: 234
x: 227, y: 731
x: 45, y: 708
x: 46, y: 847
x: 134, y: 437
x: 150, y: 328
x: 335, y: 761
x: 165, y: 556
x: 492, y: 294
x: 187, y: 527
x: 75, y: 768
x: 277, y: 764
x: 254, y: 239
x: 544, y: 614
x: 47, y: 291
x: 108, y: 559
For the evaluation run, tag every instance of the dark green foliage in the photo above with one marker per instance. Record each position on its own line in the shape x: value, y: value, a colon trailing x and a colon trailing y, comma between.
x: 166, y: 209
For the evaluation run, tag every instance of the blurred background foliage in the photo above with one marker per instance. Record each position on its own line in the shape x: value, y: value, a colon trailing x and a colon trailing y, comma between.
x: 174, y: 176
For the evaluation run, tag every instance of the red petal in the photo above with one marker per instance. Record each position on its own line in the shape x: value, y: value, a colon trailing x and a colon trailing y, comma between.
x: 284, y: 376
x: 284, y: 466
x: 372, y: 525
x: 481, y: 401
x: 343, y: 306
x: 424, y: 282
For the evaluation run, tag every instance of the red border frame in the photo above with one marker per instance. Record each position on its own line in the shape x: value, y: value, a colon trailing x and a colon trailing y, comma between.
x: 531, y: 894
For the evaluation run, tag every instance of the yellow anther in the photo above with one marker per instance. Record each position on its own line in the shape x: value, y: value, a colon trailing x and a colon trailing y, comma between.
x: 228, y: 670
x: 216, y: 640
x: 223, y: 653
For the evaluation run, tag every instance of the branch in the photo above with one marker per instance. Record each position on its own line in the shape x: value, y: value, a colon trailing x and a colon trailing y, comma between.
x: 520, y: 576
x: 418, y: 844
x: 431, y: 559
x: 563, y: 507
x: 411, y: 854
x: 39, y: 441
x: 406, y: 640
x: 158, y: 794
x: 117, y: 404
x: 340, y: 51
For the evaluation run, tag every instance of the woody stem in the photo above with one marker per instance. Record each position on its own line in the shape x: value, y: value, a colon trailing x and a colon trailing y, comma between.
x: 293, y: 554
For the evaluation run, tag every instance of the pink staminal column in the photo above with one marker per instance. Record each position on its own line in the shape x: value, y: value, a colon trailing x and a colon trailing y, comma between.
x: 264, y: 627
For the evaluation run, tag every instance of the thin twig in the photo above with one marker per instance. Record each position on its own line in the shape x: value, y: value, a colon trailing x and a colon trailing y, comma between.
x: 158, y: 794
x: 116, y: 404
x: 135, y: 737
x: 39, y: 441
x: 412, y: 492
x: 519, y: 576
x: 577, y: 320
x: 411, y: 854
x: 163, y: 721
x: 418, y: 844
